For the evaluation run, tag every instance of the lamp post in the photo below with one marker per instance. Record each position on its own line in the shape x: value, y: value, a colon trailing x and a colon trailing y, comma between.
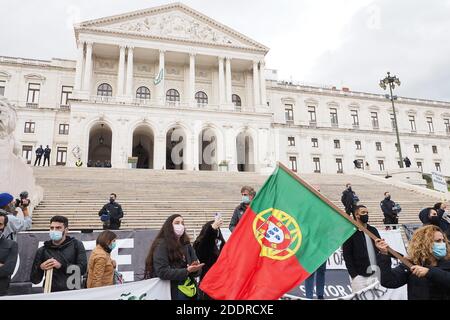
x: 391, y: 81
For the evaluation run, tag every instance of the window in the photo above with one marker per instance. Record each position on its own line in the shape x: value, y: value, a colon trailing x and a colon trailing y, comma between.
x: 34, y: 90
x: 291, y: 141
x: 316, y: 162
x: 236, y: 101
x: 358, y: 145
x: 289, y: 112
x: 334, y: 117
x: 312, y: 115
x: 315, y: 142
x: 2, y: 88
x: 29, y: 127
x: 420, y: 166
x: 173, y: 95
x: 374, y: 116
x: 104, y: 90
x: 201, y: 98
x: 66, y: 95
x: 27, y: 152
x: 340, y: 168
x: 143, y: 93
x: 64, y: 129
x: 381, y: 165
x: 447, y: 125
x: 416, y: 148
x: 435, y: 149
x: 393, y: 121
x: 337, y: 144
x: 378, y: 146
x: 293, y: 162
x: 355, y: 118
x: 412, y: 123
x: 430, y: 124
x: 438, y: 166
x: 61, y: 156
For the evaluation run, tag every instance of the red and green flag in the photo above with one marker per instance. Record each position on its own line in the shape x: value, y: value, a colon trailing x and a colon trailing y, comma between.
x: 287, y: 232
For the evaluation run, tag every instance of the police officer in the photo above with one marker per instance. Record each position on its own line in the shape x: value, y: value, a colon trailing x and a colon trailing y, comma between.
x: 111, y: 214
x: 39, y: 153
x: 47, y: 152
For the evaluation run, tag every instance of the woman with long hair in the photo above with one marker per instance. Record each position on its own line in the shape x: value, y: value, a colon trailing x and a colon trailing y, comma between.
x: 429, y: 278
x: 101, y: 267
x: 171, y: 257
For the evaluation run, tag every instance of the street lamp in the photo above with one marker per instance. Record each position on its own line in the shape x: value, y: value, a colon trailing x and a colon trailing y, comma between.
x: 391, y: 81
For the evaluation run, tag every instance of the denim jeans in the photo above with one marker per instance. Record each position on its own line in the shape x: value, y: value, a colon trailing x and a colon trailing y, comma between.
x: 319, y: 276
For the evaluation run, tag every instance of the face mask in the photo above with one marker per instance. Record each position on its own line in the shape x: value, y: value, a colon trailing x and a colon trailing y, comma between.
x: 364, y: 218
x: 434, y: 220
x: 388, y: 198
x: 112, y: 246
x: 178, y: 229
x: 439, y: 250
x: 56, y: 235
x: 246, y: 199
x: 111, y: 200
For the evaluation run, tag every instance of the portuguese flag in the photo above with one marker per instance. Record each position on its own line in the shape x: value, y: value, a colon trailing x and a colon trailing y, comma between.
x: 287, y: 232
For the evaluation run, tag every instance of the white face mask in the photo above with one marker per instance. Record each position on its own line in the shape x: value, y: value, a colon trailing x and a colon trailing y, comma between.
x: 178, y: 229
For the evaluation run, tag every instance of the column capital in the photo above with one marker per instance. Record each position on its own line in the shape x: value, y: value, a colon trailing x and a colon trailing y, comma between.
x: 89, y: 43
x: 162, y: 51
x: 262, y: 63
x: 228, y: 58
x: 192, y: 54
x: 221, y: 58
x: 80, y: 43
x: 130, y: 47
x: 122, y: 47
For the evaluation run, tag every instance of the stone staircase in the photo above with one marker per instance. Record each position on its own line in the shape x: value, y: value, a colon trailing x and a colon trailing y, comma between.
x: 148, y: 197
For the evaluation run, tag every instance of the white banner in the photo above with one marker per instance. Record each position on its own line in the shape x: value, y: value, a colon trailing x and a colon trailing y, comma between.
x: 439, y: 182
x: 154, y: 289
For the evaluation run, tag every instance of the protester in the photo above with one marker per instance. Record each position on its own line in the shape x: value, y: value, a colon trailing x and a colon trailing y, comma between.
x: 8, y: 256
x: 47, y: 152
x: 390, y: 210
x: 429, y: 278
x: 349, y: 199
x: 444, y: 221
x: 319, y: 277
x: 59, y: 253
x: 359, y: 253
x: 39, y: 153
x: 208, y: 246
x: 111, y: 214
x: 248, y: 194
x: 16, y: 223
x: 171, y: 257
x: 101, y: 267
x: 431, y: 217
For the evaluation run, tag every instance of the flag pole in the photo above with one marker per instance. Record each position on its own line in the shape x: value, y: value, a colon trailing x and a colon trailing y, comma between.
x: 48, y: 281
x: 357, y: 224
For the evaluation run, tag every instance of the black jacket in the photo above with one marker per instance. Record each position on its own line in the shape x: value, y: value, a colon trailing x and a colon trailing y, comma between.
x: 47, y: 152
x: 435, y: 286
x: 8, y: 257
x: 115, y: 212
x: 237, y: 215
x: 355, y: 253
x: 390, y: 217
x: 70, y: 252
x: 176, y: 272
x: 207, y: 250
x: 39, y: 152
x: 347, y: 200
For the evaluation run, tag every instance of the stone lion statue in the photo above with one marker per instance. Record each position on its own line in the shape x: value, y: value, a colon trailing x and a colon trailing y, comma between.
x: 8, y: 118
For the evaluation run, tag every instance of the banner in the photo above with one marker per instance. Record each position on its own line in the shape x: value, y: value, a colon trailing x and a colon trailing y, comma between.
x: 154, y: 289
x: 439, y: 182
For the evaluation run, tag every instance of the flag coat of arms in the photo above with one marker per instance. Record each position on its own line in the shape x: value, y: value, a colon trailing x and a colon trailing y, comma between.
x: 287, y: 232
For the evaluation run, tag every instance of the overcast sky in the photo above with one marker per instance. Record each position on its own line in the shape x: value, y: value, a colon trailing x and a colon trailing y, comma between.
x: 332, y: 42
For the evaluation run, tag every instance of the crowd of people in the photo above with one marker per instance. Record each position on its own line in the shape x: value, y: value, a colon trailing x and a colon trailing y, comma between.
x: 174, y: 257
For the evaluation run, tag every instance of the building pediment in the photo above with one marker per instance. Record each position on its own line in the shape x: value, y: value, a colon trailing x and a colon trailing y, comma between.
x: 175, y: 22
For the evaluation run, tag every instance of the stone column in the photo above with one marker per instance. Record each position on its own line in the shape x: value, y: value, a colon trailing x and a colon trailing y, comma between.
x: 160, y: 152
x: 121, y: 73
x: 221, y: 81
x: 228, y: 81
x: 262, y: 78
x: 192, y: 79
x: 88, y: 69
x: 130, y: 74
x: 79, y: 67
x: 256, y: 84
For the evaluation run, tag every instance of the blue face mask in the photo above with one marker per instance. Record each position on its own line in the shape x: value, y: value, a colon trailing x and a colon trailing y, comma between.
x: 246, y: 199
x: 112, y: 246
x: 439, y: 250
x: 56, y: 235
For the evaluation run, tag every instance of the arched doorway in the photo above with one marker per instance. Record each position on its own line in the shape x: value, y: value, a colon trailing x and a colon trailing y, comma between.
x: 176, y: 149
x: 143, y: 147
x: 100, y: 143
x: 245, y: 152
x: 208, y: 150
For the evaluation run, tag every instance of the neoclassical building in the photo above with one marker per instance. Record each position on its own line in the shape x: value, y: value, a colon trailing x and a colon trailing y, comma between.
x: 174, y: 89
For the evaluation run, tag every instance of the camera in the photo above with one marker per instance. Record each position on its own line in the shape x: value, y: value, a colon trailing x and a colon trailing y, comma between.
x: 22, y: 196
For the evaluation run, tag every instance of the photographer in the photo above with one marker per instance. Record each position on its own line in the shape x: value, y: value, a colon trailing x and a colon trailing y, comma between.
x: 15, y: 224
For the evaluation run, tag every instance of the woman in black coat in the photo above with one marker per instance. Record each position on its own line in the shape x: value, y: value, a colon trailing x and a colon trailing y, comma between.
x: 429, y: 278
x: 209, y: 245
x: 172, y: 257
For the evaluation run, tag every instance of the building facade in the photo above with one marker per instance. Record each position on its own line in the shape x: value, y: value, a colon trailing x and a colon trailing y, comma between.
x: 171, y: 88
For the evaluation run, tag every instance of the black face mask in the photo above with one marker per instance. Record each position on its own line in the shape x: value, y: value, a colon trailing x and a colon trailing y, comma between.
x: 111, y: 200
x: 388, y: 198
x: 349, y: 188
x: 434, y: 220
x: 364, y: 218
